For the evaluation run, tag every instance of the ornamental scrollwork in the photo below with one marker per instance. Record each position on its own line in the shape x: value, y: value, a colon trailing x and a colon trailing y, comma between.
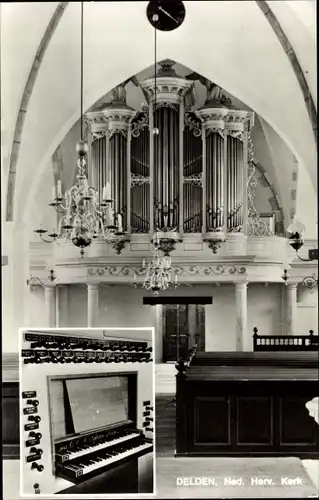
x: 139, y: 180
x: 195, y: 126
x: 236, y: 118
x: 218, y: 270
x: 97, y: 119
x: 96, y: 136
x: 127, y: 271
x: 236, y: 134
x: 310, y: 282
x: 139, y: 123
x: 255, y: 225
x: 118, y: 130
x: 194, y: 180
x: 215, y: 130
x: 207, y: 271
x: 166, y: 104
x: 110, y: 271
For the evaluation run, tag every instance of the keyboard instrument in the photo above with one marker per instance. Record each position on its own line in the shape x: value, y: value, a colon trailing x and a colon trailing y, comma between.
x: 82, y: 457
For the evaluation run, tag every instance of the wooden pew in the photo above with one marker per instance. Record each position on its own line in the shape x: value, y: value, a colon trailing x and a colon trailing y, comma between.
x: 247, y: 404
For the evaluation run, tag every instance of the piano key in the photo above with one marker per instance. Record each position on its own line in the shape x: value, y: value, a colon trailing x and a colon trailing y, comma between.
x: 119, y: 456
x: 86, y: 449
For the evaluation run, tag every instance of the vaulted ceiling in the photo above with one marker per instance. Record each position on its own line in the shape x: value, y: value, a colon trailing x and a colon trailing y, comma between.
x: 232, y: 43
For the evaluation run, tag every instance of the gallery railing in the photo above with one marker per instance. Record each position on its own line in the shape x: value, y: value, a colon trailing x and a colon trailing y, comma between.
x: 285, y: 342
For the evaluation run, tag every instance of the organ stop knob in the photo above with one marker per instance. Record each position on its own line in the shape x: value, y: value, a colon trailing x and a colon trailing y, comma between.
x: 37, y: 466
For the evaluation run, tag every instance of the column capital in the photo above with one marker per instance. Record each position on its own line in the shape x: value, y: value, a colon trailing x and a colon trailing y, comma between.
x: 241, y: 285
x: 292, y: 286
x: 93, y: 286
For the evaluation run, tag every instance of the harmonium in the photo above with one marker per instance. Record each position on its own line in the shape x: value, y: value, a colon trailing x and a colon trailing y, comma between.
x: 86, y: 412
x: 247, y: 404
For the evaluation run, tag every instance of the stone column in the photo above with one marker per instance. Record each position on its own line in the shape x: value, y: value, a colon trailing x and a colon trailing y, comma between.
x: 159, y: 333
x: 243, y: 343
x: 291, y: 308
x: 62, y: 306
x: 49, y: 292
x: 93, y: 304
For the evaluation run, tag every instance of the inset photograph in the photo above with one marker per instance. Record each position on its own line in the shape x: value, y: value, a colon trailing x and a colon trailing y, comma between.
x: 86, y: 411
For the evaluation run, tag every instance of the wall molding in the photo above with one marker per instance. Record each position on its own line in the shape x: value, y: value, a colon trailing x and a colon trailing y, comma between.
x: 284, y: 41
x: 28, y: 89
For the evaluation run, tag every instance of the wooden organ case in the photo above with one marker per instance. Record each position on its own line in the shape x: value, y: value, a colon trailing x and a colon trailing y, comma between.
x: 173, y: 167
x: 86, y: 413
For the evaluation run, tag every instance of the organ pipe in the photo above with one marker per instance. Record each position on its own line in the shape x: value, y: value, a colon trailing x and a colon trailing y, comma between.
x: 100, y: 163
x: 245, y: 178
x: 192, y: 171
x: 214, y: 166
x: 152, y: 210
x: 225, y: 194
x: 140, y: 204
x: 234, y: 183
x: 181, y: 169
x: 118, y: 174
x: 128, y: 177
x: 204, y: 229
x: 166, y: 168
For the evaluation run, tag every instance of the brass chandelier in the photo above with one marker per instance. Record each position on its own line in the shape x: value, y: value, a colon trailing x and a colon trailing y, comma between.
x: 83, y: 215
x: 158, y: 272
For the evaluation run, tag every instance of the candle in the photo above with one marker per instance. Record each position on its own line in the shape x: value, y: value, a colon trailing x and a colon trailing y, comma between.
x: 143, y: 264
x: 108, y: 190
x: 59, y: 189
x: 119, y: 223
x: 109, y: 215
x: 134, y: 277
x: 175, y: 279
x: 53, y: 193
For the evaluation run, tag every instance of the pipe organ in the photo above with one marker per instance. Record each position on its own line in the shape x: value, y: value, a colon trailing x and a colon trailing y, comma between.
x: 140, y: 174
x: 192, y: 174
x: 86, y: 414
x: 173, y: 166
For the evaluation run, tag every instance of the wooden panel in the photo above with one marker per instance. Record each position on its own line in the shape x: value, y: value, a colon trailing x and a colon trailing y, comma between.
x: 10, y: 420
x: 254, y: 420
x: 211, y: 421
x: 299, y: 430
x: 250, y: 359
x: 266, y: 413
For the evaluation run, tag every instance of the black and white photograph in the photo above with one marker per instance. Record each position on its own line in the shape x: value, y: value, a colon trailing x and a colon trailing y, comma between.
x: 159, y: 249
x: 86, y: 412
